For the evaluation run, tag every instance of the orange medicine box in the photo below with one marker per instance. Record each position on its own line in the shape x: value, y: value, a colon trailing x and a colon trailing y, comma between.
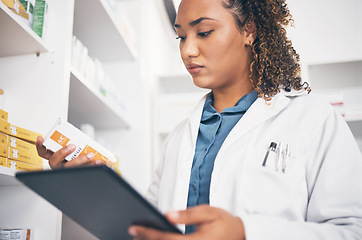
x: 21, y: 155
x: 3, y: 115
x: 3, y: 161
x: 21, y: 166
x: 18, y: 132
x: 64, y: 133
x: 17, y: 143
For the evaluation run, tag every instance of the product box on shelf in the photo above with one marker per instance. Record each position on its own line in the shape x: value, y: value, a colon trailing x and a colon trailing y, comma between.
x: 22, y: 133
x: 17, y: 143
x: 40, y: 17
x: 5, y: 234
x: 64, y: 133
x: 22, y: 166
x: 2, y: 162
x: 3, y: 115
x: 29, y: 8
x: 22, y: 155
x: 17, y: 165
x: 15, y: 234
x: 2, y: 100
x: 16, y: 7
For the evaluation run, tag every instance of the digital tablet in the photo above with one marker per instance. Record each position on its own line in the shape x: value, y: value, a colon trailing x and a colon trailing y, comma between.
x: 96, y: 198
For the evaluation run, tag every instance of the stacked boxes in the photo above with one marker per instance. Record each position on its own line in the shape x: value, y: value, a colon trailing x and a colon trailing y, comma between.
x: 31, y: 12
x: 18, y: 234
x: 17, y: 147
x: 17, y: 7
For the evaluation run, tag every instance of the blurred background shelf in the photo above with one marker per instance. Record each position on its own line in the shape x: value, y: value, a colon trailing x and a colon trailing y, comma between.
x: 16, y: 37
x: 88, y: 105
x: 99, y: 29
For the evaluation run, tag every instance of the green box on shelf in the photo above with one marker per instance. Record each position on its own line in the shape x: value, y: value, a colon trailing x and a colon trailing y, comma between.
x: 39, y: 18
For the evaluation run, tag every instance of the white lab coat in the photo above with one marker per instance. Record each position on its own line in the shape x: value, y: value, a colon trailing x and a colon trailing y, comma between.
x: 318, y: 197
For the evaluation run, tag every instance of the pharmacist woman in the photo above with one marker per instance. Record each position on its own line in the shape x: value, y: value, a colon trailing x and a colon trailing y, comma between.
x: 259, y: 158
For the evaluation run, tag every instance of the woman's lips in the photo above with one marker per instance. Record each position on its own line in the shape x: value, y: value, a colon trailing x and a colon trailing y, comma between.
x: 194, y: 68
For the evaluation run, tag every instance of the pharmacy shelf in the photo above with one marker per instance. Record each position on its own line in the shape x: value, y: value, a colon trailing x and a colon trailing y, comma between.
x: 96, y: 27
x: 7, y: 177
x: 16, y: 37
x: 88, y: 105
x: 335, y: 61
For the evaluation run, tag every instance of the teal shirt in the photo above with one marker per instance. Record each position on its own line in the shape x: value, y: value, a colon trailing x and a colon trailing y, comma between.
x: 213, y: 130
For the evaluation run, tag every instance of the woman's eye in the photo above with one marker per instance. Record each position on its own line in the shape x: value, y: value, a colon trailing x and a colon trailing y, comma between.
x: 204, y: 34
x: 181, y: 37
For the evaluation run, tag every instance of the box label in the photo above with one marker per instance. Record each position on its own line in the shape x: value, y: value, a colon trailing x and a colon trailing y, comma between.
x: 59, y: 138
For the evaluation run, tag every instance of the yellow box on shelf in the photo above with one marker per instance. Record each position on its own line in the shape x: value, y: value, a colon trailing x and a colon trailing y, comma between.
x: 21, y: 166
x: 4, y: 126
x: 21, y: 155
x: 17, y: 143
x: 3, y: 115
x: 22, y: 133
x: 3, y: 161
x: 16, y: 7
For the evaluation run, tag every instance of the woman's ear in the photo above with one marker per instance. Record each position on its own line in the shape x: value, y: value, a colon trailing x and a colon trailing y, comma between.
x: 250, y: 33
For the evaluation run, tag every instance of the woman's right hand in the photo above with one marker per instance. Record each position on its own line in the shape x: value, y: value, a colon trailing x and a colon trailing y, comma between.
x: 57, y: 159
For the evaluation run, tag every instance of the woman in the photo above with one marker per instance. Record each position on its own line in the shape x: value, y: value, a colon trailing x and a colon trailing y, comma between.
x: 258, y: 158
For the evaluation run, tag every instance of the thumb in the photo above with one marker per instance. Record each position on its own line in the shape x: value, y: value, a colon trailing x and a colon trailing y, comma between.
x: 193, y: 215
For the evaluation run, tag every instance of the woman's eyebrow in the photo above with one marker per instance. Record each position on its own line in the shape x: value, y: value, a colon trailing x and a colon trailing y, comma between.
x: 197, y: 21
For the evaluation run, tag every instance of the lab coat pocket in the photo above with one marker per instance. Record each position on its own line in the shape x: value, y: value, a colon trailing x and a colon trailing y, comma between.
x: 267, y: 191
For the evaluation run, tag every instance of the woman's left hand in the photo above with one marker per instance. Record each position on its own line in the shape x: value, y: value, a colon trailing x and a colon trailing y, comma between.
x: 211, y: 224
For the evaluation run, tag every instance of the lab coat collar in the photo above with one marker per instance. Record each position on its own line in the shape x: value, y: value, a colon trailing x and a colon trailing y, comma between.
x: 259, y: 112
x: 195, y: 118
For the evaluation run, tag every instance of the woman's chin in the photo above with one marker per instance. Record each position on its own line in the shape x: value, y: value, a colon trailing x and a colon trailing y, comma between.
x: 201, y: 83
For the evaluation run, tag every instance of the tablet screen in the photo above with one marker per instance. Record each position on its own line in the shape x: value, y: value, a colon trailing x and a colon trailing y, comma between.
x: 96, y: 198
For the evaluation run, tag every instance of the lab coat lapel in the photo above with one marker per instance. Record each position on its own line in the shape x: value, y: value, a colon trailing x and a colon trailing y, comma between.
x: 195, y: 118
x: 259, y: 112
x: 185, y: 156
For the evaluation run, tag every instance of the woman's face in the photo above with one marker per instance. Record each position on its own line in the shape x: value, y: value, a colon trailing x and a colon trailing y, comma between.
x: 215, y: 52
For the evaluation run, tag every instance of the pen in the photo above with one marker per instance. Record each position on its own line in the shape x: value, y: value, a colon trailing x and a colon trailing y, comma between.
x: 272, y: 147
x: 284, y: 163
x: 279, y: 146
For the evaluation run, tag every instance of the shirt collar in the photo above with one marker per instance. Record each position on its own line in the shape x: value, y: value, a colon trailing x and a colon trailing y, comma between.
x: 242, y: 105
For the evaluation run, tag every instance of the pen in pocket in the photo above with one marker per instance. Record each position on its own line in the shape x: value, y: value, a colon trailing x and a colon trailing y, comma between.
x: 271, y: 151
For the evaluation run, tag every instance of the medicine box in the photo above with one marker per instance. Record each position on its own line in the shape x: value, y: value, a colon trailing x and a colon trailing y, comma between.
x: 22, y: 133
x: 64, y: 133
x: 3, y: 115
x: 21, y: 166
x: 21, y: 155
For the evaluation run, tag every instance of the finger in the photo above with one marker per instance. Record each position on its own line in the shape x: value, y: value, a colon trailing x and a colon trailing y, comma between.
x: 194, y: 215
x: 56, y: 160
x: 84, y: 159
x: 139, y: 232
x: 94, y: 163
x: 42, y: 151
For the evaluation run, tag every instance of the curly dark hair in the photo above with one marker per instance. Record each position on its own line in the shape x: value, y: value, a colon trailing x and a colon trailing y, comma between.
x: 275, y: 62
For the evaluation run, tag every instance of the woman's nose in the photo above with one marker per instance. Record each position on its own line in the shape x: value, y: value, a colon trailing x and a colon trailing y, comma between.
x: 189, y: 48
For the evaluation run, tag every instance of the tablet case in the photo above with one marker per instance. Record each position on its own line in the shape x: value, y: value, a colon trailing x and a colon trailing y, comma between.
x: 96, y: 198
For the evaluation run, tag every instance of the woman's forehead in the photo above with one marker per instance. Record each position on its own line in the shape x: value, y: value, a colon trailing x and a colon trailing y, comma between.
x: 190, y: 10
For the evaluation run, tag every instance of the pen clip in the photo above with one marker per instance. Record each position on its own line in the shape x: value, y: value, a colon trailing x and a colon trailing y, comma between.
x: 285, y: 157
x: 272, y: 147
x: 278, y: 156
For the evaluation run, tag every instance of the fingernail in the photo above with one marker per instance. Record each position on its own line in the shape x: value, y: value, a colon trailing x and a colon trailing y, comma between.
x: 71, y: 147
x: 98, y: 162
x: 132, y: 231
x: 90, y: 155
x: 173, y: 214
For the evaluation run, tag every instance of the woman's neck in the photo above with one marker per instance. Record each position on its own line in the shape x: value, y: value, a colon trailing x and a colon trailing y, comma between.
x: 225, y: 99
